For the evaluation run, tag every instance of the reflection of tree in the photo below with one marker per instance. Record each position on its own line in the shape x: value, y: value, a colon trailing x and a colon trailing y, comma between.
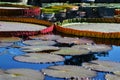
x: 77, y: 60
x: 106, y: 41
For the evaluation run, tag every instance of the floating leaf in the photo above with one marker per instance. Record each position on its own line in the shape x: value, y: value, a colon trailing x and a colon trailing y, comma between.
x: 112, y: 77
x: 22, y: 74
x: 46, y: 37
x: 71, y: 51
x: 39, y: 58
x: 1, y: 72
x: 96, y: 27
x: 39, y: 42
x: 105, y: 66
x: 39, y: 48
x: 94, y: 48
x: 68, y: 71
x: 9, y: 39
x: 19, y: 26
x: 69, y: 40
x: 5, y: 44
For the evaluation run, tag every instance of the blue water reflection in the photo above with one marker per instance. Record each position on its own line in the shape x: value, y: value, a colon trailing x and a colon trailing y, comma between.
x: 7, y: 61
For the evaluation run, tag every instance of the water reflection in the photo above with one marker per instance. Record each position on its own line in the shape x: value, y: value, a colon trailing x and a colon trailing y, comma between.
x: 107, y: 41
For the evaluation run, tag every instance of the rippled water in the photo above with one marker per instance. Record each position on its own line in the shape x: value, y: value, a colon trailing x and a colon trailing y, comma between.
x: 7, y: 61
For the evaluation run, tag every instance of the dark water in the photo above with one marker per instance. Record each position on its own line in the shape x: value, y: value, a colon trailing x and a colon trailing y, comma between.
x: 7, y: 61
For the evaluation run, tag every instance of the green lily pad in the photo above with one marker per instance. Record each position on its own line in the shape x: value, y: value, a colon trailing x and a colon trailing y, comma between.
x: 39, y: 48
x: 39, y: 58
x: 94, y: 48
x: 69, y: 71
x: 71, y: 51
x: 112, y: 77
x: 69, y: 40
x: 5, y: 44
x: 22, y: 74
x: 46, y: 37
x: 104, y: 66
x: 39, y: 42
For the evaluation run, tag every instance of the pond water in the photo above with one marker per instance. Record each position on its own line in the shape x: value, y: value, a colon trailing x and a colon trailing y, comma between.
x: 7, y: 61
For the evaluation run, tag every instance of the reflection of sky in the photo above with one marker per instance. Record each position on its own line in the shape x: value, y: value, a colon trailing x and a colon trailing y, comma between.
x: 113, y: 55
x: 7, y: 62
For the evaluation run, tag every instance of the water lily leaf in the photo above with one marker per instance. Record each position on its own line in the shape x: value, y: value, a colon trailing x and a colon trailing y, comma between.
x: 39, y: 42
x: 71, y: 51
x: 112, y: 77
x: 19, y: 26
x: 39, y: 58
x: 1, y: 72
x: 96, y: 27
x: 46, y: 37
x: 10, y: 39
x: 5, y: 44
x: 105, y: 66
x: 22, y: 74
x: 69, y: 40
x: 94, y: 48
x: 39, y: 48
x: 68, y: 71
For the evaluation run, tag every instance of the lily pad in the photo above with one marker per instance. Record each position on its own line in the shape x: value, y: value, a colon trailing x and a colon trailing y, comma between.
x: 22, y: 74
x: 1, y: 72
x: 39, y: 48
x: 71, y: 51
x: 104, y: 66
x: 112, y: 77
x: 39, y: 42
x: 10, y: 39
x: 69, y: 40
x: 94, y: 48
x: 5, y: 44
x: 69, y: 71
x: 46, y: 37
x: 39, y: 58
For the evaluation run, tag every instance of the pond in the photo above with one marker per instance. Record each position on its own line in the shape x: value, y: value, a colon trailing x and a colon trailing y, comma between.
x: 8, y: 62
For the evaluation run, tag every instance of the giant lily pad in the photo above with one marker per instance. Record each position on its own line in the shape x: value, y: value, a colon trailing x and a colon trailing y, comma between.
x: 69, y: 40
x: 112, y: 77
x: 94, y: 48
x: 39, y: 42
x: 39, y: 58
x: 71, y: 51
x: 46, y: 37
x: 39, y: 48
x: 105, y: 66
x: 10, y: 39
x: 22, y: 74
x: 68, y: 71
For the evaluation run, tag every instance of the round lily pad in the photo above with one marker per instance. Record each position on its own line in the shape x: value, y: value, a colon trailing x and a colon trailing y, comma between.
x: 104, y: 66
x: 46, y: 37
x: 112, y: 77
x: 39, y: 58
x: 39, y: 48
x: 69, y: 40
x: 94, y: 48
x: 22, y: 74
x: 39, y: 42
x: 69, y: 71
x: 5, y: 44
x: 71, y: 51
x: 10, y: 39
